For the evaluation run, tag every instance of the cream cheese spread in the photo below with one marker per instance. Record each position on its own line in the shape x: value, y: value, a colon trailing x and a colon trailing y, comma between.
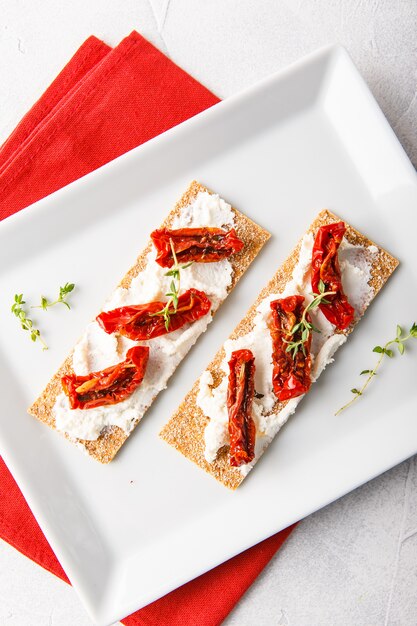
x: 355, y: 264
x: 97, y: 350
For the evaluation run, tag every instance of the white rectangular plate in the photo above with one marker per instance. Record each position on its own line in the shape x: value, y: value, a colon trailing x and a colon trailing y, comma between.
x: 307, y: 138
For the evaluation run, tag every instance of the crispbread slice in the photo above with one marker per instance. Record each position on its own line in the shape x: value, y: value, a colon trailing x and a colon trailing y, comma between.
x: 185, y: 429
x: 112, y: 438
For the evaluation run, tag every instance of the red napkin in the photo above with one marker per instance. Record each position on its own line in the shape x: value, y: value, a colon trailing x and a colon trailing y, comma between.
x: 103, y: 103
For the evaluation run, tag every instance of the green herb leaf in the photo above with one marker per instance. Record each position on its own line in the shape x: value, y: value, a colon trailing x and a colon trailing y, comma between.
x: 61, y: 299
x: 26, y: 323
x: 304, y: 326
x: 66, y: 289
x: 173, y: 295
x: 385, y: 350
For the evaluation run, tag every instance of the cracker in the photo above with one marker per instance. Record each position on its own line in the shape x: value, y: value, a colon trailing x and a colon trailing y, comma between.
x: 185, y: 429
x: 112, y: 438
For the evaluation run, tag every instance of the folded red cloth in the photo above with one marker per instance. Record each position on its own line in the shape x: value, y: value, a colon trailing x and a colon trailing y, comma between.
x: 102, y: 104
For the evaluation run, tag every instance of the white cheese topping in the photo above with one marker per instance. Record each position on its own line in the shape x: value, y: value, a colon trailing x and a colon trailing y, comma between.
x: 355, y: 263
x: 97, y: 350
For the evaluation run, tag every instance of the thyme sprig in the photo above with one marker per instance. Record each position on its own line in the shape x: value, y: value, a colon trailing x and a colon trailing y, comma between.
x: 25, y: 322
x: 175, y: 286
x: 304, y: 326
x: 61, y: 299
x: 385, y: 350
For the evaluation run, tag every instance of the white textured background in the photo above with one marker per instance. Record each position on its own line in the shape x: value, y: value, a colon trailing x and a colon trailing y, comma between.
x: 353, y: 563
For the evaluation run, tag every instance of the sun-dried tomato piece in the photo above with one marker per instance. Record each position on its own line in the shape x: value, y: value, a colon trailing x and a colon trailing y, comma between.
x: 242, y: 430
x: 141, y: 321
x: 202, y: 245
x: 325, y: 267
x: 109, y: 386
x: 291, y: 374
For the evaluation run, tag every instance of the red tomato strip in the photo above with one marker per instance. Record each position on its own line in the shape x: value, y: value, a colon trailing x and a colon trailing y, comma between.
x: 203, y: 245
x: 109, y: 386
x: 240, y: 393
x: 325, y: 267
x: 140, y: 322
x: 291, y: 375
